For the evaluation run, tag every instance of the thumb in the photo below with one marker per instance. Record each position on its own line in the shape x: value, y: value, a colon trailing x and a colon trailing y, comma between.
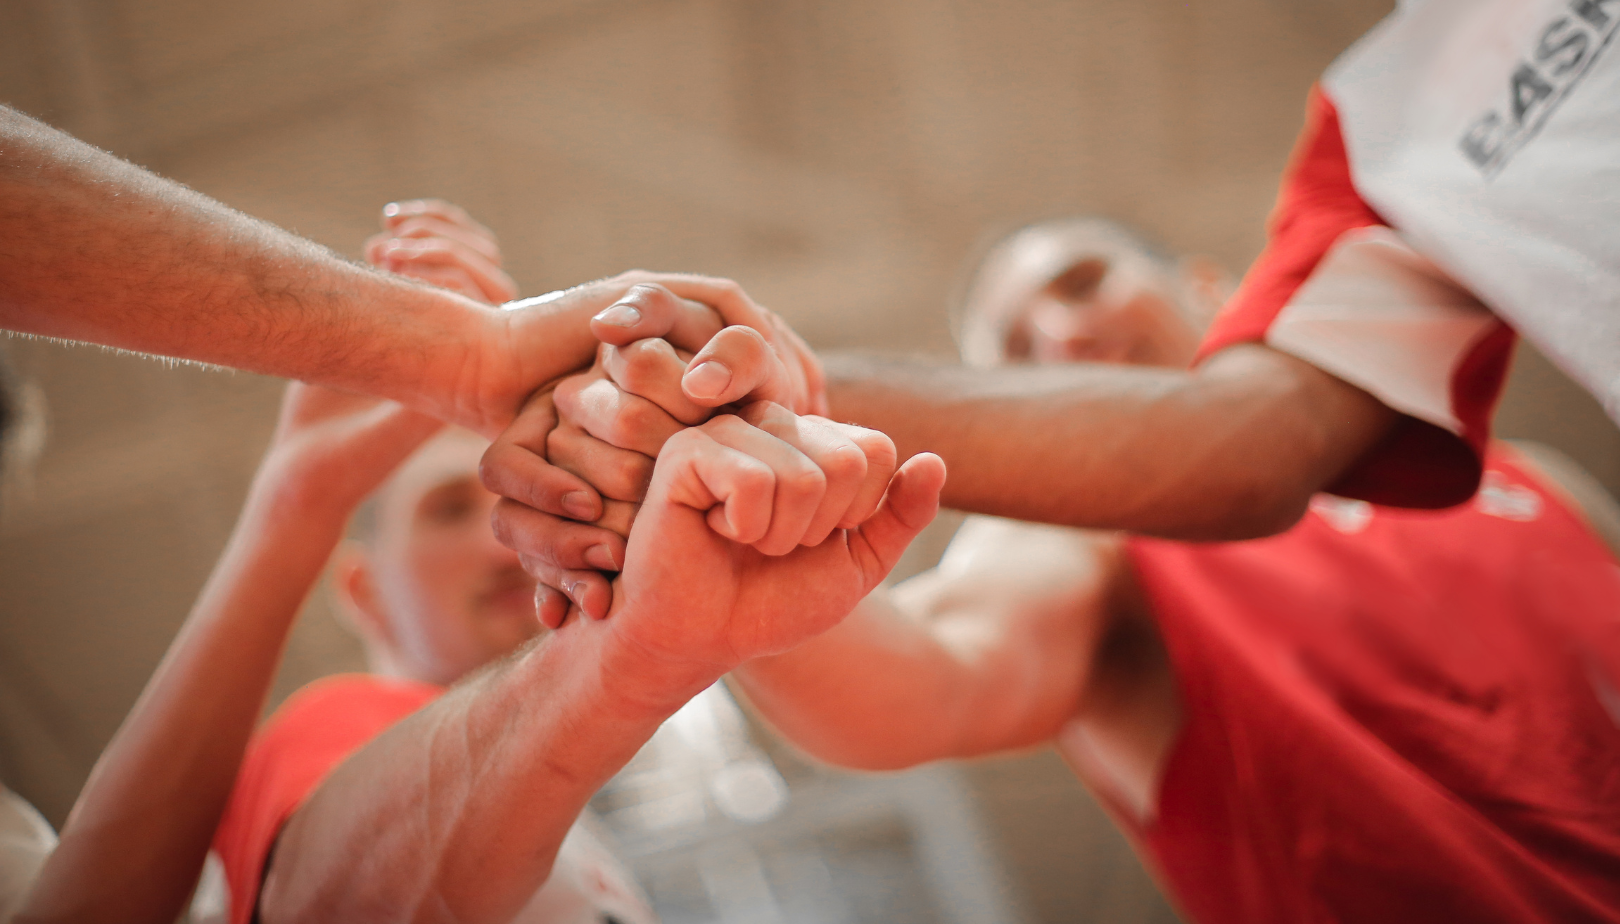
x: 910, y: 504
x: 736, y: 363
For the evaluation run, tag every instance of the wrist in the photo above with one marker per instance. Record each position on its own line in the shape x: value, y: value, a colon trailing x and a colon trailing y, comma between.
x: 634, y: 680
x: 467, y: 353
x: 283, y: 492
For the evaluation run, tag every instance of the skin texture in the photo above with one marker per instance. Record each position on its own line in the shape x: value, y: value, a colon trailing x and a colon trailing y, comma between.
x: 101, y: 251
x: 133, y: 846
x: 1024, y: 628
x: 435, y: 819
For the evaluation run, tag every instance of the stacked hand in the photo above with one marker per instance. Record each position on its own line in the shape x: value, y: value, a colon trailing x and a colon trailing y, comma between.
x: 761, y: 530
x: 820, y: 483
x: 750, y: 518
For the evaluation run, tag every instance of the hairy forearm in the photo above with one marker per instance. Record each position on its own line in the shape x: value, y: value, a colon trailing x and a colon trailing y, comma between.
x: 1233, y: 450
x: 457, y: 812
x: 134, y: 844
x: 99, y: 250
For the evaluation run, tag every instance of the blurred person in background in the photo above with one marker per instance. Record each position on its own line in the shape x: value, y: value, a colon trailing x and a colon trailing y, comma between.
x: 1455, y: 183
x: 375, y: 795
x: 1380, y: 714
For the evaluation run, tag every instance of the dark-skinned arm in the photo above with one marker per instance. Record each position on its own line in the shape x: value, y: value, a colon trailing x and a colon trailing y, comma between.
x: 1231, y: 450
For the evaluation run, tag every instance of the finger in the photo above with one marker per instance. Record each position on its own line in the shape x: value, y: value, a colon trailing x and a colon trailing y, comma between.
x: 587, y: 592
x: 615, y: 473
x: 432, y: 226
x: 558, y: 541
x: 910, y: 504
x: 797, y: 483
x: 515, y: 466
x: 395, y: 212
x: 648, y: 310
x: 881, y: 459
x: 736, y: 307
x: 733, y: 489
x: 652, y: 369
x: 842, y: 462
x: 736, y: 364
x: 403, y: 254
x: 551, y: 606
x: 615, y: 416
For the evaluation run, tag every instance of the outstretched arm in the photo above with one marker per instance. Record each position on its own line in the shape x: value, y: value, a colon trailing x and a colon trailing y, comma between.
x: 1231, y: 450
x: 992, y: 650
x: 439, y: 818
x: 100, y: 250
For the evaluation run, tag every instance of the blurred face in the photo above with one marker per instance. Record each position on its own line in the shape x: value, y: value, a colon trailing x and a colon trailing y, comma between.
x: 449, y: 597
x: 1109, y: 306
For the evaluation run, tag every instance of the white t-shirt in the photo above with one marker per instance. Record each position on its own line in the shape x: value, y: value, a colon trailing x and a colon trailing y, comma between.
x: 1488, y: 133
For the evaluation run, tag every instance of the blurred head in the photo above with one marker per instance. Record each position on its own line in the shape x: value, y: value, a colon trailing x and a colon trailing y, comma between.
x: 1086, y: 290
x: 425, y: 584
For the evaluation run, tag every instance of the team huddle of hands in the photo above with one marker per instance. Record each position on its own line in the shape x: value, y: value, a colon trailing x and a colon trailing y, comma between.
x: 757, y: 523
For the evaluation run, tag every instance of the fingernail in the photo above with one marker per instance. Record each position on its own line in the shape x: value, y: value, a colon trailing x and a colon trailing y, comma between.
x: 577, y: 592
x: 578, y: 505
x: 391, y: 209
x: 707, y: 380
x: 620, y: 315
x: 600, y: 557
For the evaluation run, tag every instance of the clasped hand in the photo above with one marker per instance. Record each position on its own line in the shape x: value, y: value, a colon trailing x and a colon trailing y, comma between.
x: 754, y: 527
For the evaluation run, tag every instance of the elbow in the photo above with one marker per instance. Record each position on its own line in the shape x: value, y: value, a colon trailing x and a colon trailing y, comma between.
x: 1264, y: 510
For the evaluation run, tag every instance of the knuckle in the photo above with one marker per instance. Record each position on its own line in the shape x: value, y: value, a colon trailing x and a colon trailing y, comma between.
x: 845, y: 461
x: 804, y: 480
x: 756, y: 479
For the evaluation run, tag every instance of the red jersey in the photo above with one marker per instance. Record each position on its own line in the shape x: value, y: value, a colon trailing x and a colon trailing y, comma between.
x: 312, y: 732
x: 1394, y: 715
x: 321, y: 725
x: 1338, y: 288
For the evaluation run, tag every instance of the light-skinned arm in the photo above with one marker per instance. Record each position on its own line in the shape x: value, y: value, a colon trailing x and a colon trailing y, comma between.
x: 133, y: 846
x: 457, y: 812
x: 992, y: 650
x: 102, y: 251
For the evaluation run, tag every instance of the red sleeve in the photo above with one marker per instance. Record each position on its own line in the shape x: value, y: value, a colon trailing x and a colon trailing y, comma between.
x: 1423, y: 462
x: 1316, y: 205
x: 313, y: 732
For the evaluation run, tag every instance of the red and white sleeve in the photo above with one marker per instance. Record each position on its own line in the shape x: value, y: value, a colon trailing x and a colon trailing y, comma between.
x: 1339, y: 288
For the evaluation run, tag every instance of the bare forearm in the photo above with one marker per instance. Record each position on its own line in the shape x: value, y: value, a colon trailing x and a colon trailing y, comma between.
x: 134, y: 844
x: 876, y: 693
x: 457, y: 812
x: 99, y: 250
x: 1233, y: 450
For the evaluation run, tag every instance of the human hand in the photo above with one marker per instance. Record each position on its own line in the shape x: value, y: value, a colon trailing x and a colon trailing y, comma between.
x: 331, y: 448
x: 607, y: 426
x: 756, y: 536
x: 648, y: 334
x: 438, y: 243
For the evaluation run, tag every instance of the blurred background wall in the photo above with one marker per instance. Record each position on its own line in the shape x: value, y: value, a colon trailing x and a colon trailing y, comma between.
x: 839, y: 157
